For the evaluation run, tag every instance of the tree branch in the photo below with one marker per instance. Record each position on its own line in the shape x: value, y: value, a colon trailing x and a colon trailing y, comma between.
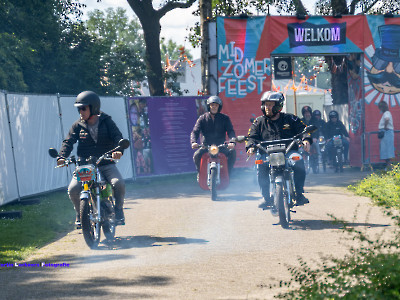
x: 353, y: 5
x: 170, y: 5
x: 369, y: 7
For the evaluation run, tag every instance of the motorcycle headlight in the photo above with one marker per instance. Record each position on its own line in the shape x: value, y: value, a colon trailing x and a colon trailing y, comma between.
x: 213, y: 150
x: 277, y: 159
x: 321, y: 139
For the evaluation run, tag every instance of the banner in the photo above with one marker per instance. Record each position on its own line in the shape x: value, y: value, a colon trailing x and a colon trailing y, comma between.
x: 244, y: 72
x: 371, y: 46
x: 160, y: 131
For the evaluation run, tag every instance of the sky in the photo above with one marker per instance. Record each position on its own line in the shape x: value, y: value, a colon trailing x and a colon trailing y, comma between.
x: 174, y: 24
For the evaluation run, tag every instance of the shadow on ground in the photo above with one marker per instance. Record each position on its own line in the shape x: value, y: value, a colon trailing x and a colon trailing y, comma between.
x: 143, y: 241
x: 39, y: 283
x: 323, y: 224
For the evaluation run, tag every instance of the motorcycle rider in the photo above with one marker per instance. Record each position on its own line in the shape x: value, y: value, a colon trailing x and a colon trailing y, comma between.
x: 335, y: 127
x: 274, y: 125
x: 320, y: 123
x: 306, y: 111
x: 214, y: 126
x: 96, y: 133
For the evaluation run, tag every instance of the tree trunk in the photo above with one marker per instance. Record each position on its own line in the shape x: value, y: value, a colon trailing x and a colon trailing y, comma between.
x: 205, y: 15
x: 152, y: 29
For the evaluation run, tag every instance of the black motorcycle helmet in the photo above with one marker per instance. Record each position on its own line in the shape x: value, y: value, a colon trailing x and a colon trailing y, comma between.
x: 333, y: 114
x: 306, y: 108
x: 277, y: 97
x: 316, y: 113
x: 214, y: 99
x: 91, y: 99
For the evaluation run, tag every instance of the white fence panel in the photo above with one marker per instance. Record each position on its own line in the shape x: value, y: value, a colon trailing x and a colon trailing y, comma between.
x: 8, y: 181
x: 35, y: 127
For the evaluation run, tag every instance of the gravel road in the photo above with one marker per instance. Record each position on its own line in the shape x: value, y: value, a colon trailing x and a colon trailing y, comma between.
x: 178, y: 244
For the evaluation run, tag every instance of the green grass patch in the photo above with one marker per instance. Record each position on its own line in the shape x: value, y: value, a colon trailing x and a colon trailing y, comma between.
x: 40, y: 224
x: 383, y: 188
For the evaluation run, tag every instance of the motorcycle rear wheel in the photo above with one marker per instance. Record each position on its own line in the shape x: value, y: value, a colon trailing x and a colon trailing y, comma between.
x: 213, y: 187
x: 108, y: 219
x: 90, y: 228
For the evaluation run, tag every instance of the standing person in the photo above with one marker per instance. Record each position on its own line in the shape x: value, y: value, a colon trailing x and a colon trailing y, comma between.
x: 275, y: 125
x: 335, y: 127
x: 386, y: 145
x: 96, y: 133
x: 214, y: 126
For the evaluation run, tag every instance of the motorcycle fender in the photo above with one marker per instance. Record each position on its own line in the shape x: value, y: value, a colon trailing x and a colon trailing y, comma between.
x: 85, y: 195
x: 213, y: 165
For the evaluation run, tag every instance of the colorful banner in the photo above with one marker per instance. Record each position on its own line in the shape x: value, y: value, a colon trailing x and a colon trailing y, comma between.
x: 160, y: 131
x: 247, y: 46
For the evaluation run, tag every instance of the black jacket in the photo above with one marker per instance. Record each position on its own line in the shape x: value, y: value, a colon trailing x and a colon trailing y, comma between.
x: 107, y: 139
x: 321, y: 127
x: 337, y: 128
x: 213, y: 131
x: 285, y: 127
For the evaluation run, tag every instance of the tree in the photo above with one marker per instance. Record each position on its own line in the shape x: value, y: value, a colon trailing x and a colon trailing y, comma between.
x: 44, y: 48
x: 150, y: 21
x: 123, y: 67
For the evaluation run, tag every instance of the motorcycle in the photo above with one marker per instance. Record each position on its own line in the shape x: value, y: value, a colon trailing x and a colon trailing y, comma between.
x: 338, y: 147
x: 97, y: 202
x: 281, y: 174
x: 213, y: 172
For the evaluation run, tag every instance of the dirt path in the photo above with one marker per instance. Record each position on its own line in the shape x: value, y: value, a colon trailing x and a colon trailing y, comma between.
x: 178, y: 244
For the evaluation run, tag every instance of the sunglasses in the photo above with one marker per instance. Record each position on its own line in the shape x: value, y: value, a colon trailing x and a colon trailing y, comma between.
x: 82, y: 108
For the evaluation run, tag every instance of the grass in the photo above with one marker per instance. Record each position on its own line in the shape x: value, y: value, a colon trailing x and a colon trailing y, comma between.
x: 40, y: 224
x: 53, y: 217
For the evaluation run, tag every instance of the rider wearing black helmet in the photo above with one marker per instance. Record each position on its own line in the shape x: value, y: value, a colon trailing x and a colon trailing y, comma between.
x: 335, y: 127
x: 319, y: 122
x: 306, y: 111
x: 214, y: 126
x: 273, y: 125
x: 96, y: 133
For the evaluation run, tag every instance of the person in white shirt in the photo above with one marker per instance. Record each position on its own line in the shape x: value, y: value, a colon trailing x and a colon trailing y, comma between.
x: 386, y: 146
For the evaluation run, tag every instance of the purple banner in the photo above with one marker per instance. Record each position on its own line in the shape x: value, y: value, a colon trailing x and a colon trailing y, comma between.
x: 171, y: 121
x: 160, y: 132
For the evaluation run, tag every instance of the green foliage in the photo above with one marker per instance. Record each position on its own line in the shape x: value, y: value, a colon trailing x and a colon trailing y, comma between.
x: 371, y: 269
x: 39, y: 224
x: 383, y: 188
x: 44, y: 48
x: 123, y: 66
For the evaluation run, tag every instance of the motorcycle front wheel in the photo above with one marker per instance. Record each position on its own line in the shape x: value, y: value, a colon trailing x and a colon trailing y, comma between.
x: 108, y: 218
x: 90, y: 226
x: 282, y: 205
x: 213, y: 186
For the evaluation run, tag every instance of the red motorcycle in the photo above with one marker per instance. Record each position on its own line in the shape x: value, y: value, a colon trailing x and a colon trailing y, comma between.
x: 213, y: 173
